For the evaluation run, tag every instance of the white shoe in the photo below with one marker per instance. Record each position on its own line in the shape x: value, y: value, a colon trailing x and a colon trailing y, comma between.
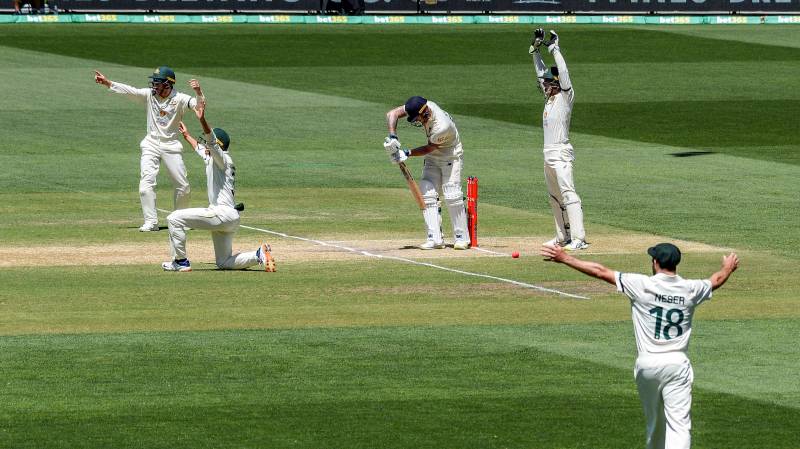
x: 265, y: 258
x: 461, y: 244
x: 430, y: 244
x: 557, y: 242
x: 177, y: 266
x: 149, y: 227
x: 576, y: 244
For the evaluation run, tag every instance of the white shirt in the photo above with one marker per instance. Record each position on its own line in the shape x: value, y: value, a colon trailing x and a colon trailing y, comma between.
x: 163, y: 114
x: 662, y: 308
x: 442, y: 131
x: 220, y: 173
x: 558, y: 108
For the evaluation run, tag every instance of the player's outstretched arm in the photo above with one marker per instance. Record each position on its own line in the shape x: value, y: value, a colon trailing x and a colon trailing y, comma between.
x: 558, y: 255
x: 121, y: 88
x: 99, y: 78
x: 538, y: 62
x: 200, y: 111
x: 186, y: 136
x: 729, y: 264
x: 199, y: 97
x: 555, y: 50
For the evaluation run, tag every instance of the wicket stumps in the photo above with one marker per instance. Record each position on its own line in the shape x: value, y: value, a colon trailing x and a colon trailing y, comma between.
x: 472, y: 210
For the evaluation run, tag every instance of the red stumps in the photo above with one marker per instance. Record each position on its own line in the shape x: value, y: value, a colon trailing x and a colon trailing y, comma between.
x: 472, y: 210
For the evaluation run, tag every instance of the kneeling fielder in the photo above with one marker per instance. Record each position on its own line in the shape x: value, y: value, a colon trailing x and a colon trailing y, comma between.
x: 221, y: 217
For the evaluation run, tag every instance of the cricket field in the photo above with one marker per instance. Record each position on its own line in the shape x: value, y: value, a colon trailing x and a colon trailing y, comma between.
x: 686, y: 134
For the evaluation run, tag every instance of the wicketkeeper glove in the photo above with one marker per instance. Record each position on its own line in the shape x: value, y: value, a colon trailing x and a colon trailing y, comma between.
x: 552, y: 44
x: 536, y: 42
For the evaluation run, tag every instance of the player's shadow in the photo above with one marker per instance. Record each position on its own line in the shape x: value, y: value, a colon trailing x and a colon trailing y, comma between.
x: 446, y: 245
x: 160, y: 228
x: 691, y: 153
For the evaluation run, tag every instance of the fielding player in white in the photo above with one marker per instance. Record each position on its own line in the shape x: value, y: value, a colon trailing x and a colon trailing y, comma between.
x: 221, y: 216
x: 662, y: 307
x: 165, y: 108
x: 556, y: 86
x: 441, y: 170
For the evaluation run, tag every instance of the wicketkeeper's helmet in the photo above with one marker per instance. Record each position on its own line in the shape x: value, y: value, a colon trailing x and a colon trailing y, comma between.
x: 223, y: 140
x: 551, y: 76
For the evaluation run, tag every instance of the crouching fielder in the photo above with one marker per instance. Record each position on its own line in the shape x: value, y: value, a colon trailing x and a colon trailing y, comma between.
x: 221, y: 216
x: 441, y: 170
x: 558, y: 152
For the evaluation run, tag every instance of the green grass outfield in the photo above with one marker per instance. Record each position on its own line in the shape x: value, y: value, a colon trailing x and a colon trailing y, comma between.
x: 686, y: 133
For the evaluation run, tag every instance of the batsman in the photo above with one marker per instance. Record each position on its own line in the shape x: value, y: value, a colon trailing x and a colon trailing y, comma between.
x: 441, y: 172
x: 559, y: 155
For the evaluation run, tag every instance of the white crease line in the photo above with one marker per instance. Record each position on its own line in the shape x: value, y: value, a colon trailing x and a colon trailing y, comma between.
x: 488, y: 251
x: 415, y: 262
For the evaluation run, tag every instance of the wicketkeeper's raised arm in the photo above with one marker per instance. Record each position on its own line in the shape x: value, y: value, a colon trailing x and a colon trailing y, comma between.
x: 538, y: 63
x: 563, y: 74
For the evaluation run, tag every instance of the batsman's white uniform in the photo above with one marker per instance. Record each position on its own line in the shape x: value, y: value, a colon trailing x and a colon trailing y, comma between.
x: 558, y: 152
x: 441, y: 172
x: 160, y: 144
x: 662, y: 309
x: 220, y: 217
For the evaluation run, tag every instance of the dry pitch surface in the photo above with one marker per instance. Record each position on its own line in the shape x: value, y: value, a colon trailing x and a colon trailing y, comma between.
x: 293, y: 250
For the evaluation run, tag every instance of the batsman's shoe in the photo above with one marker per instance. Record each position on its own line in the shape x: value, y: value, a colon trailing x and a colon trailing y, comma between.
x: 182, y: 266
x: 461, y: 244
x: 430, y: 244
x: 576, y: 244
x: 557, y: 242
x: 148, y: 227
x: 264, y: 254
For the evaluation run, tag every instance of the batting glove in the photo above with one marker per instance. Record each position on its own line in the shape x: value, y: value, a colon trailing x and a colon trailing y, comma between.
x: 391, y: 144
x: 400, y: 155
x: 552, y: 44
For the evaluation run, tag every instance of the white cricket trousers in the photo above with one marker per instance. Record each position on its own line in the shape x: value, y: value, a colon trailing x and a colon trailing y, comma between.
x: 444, y: 177
x: 664, y: 382
x: 223, y: 222
x: 564, y: 201
x: 154, y: 152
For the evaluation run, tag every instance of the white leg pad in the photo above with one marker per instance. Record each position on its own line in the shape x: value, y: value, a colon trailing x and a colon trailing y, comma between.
x: 562, y: 225
x: 458, y: 214
x: 432, y: 213
x: 575, y: 214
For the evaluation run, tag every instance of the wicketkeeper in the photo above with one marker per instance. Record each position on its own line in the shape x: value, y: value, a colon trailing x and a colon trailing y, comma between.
x: 441, y: 172
x: 556, y: 86
x: 165, y: 108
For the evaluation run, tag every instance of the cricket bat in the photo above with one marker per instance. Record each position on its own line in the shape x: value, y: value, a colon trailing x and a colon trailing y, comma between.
x: 412, y: 185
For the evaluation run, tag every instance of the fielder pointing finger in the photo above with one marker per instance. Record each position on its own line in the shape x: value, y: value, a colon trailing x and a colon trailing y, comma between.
x: 221, y: 217
x: 165, y: 108
x: 556, y: 86
x: 662, y: 308
x: 441, y: 172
